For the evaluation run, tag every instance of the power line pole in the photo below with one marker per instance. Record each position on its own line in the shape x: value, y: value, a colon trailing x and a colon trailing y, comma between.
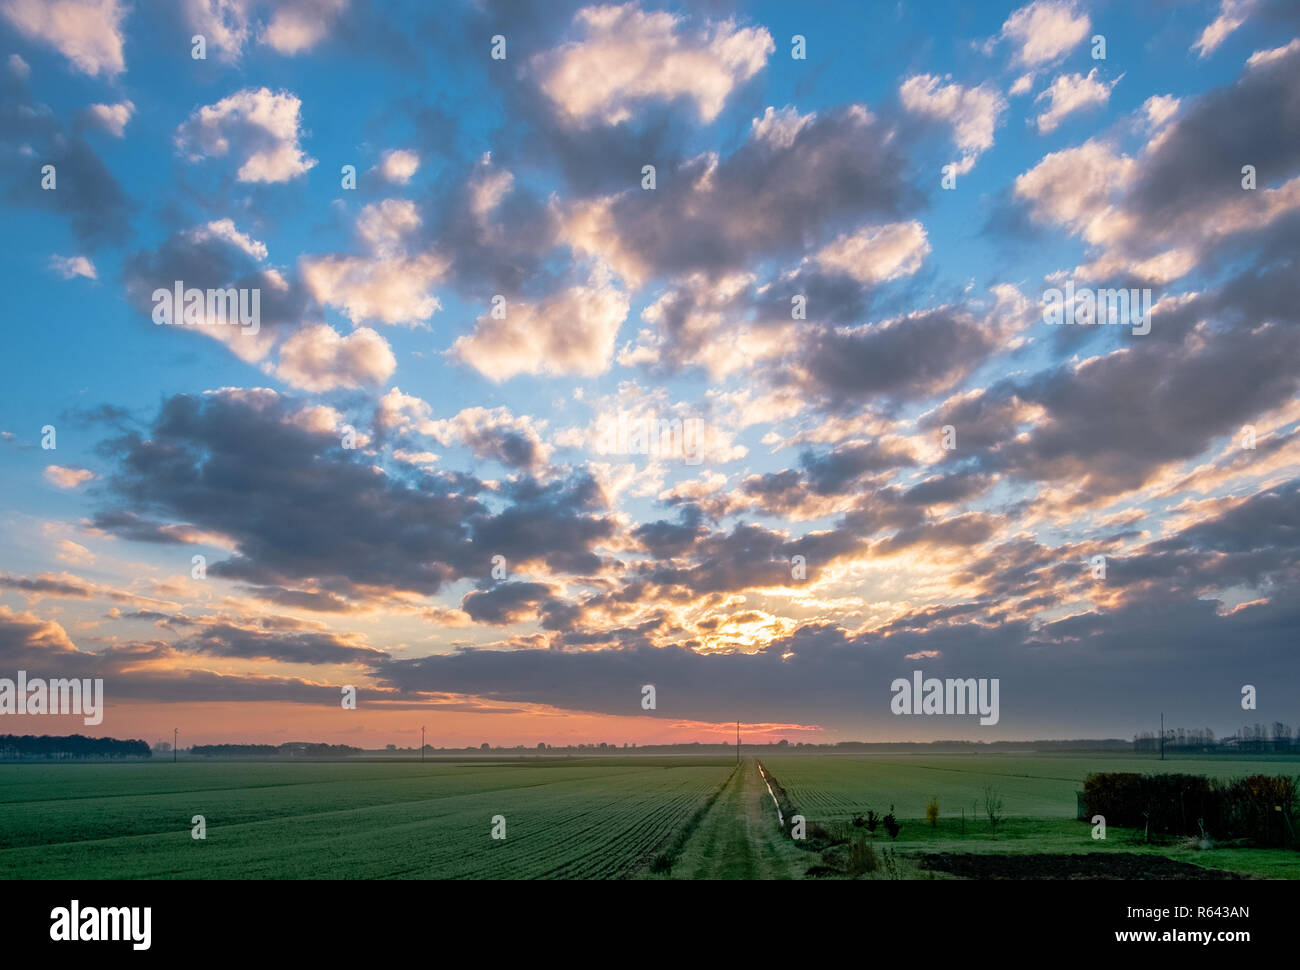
x: 421, y: 743
x: 1162, y: 736
x: 174, y: 733
x: 737, y: 742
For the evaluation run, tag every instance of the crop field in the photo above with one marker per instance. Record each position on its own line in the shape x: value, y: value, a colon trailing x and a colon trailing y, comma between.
x: 595, y: 818
x: 1031, y: 785
x: 342, y: 820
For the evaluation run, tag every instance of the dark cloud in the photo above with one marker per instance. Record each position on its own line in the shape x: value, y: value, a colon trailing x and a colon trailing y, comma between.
x: 506, y: 603
x: 299, y: 507
x: 86, y: 193
x: 224, y: 640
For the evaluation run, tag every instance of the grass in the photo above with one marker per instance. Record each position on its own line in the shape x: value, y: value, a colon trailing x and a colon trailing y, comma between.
x: 1038, y: 792
x: 599, y: 817
x: 585, y: 820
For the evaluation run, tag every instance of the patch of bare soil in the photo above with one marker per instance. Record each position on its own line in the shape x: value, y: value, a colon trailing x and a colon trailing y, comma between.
x: 1111, y: 865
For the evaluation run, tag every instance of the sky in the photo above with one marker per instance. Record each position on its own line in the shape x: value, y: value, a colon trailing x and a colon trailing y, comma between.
x: 719, y: 348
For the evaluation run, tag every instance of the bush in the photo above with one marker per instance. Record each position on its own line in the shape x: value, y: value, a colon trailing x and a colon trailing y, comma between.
x: 932, y: 813
x: 992, y: 807
x: 1261, y: 808
x: 891, y: 823
x: 873, y: 821
x: 862, y: 857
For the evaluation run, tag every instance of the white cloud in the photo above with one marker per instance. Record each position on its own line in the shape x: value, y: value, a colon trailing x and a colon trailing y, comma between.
x: 317, y: 358
x: 973, y: 112
x: 1069, y: 93
x: 389, y: 284
x: 299, y: 25
x: 571, y: 332
x: 19, y: 68
x: 1232, y: 14
x: 1159, y: 109
x: 70, y: 266
x: 62, y: 476
x: 875, y: 254
x: 294, y: 26
x: 399, y: 165
x: 1023, y: 85
x: 86, y: 32
x: 1078, y: 187
x: 779, y: 128
x: 223, y: 24
x: 1045, y: 30
x: 111, y: 117
x: 259, y: 126
x: 627, y: 55
x: 224, y: 229
x: 493, y: 434
x: 1268, y: 56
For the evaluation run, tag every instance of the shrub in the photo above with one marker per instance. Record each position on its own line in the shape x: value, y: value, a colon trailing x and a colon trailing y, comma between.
x: 892, y: 869
x: 1261, y: 808
x: 891, y: 823
x: 873, y: 821
x: 992, y: 807
x: 932, y: 813
x: 862, y: 857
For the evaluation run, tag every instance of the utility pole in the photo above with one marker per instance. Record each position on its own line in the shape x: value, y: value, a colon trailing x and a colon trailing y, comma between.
x: 737, y: 742
x: 421, y: 743
x: 1162, y: 736
x: 174, y: 733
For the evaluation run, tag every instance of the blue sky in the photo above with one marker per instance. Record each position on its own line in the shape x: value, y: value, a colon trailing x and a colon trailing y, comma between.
x: 820, y: 436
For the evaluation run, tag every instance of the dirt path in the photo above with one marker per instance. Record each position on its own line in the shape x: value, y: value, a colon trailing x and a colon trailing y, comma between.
x: 740, y: 838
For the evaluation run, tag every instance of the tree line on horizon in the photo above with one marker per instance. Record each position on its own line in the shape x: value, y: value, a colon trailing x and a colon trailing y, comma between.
x: 70, y: 746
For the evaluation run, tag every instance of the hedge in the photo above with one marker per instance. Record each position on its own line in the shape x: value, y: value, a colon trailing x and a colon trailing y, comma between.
x: 1260, y: 808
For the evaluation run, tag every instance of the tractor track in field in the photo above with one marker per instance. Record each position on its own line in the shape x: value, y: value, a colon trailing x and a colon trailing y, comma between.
x: 738, y: 838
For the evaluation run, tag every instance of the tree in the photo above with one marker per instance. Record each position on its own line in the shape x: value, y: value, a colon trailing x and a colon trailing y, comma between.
x: 992, y: 807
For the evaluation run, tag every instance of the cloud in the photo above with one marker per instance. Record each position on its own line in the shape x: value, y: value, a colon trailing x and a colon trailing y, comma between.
x: 392, y: 283
x: 85, y: 192
x: 70, y: 266
x: 297, y: 508
x: 507, y: 602
x: 318, y: 358
x: 217, y: 255
x: 1157, y: 215
x: 1232, y: 14
x: 627, y: 55
x: 112, y: 118
x: 293, y: 26
x: 766, y: 199
x: 399, y: 165
x: 299, y: 25
x: 1069, y: 93
x: 227, y: 640
x: 259, y: 127
x: 875, y: 254
x: 62, y: 476
x: 493, y: 435
x: 224, y: 229
x: 570, y: 332
x: 973, y: 112
x: 1045, y: 30
x: 87, y: 32
x: 19, y: 68
x: 223, y: 24
x: 908, y: 357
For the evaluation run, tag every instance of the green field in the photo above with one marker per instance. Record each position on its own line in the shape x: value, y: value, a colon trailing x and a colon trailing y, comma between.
x: 616, y: 817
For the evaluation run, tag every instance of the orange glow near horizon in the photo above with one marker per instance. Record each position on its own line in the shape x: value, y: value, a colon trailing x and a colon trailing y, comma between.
x: 269, y: 723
